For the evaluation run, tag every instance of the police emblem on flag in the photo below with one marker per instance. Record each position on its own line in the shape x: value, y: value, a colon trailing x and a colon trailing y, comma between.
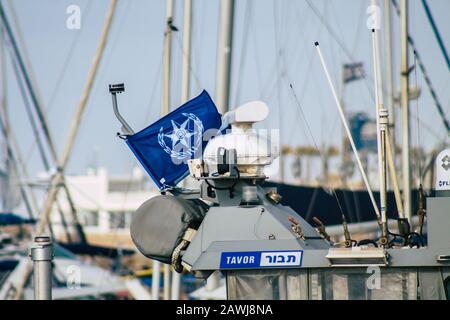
x: 184, y: 140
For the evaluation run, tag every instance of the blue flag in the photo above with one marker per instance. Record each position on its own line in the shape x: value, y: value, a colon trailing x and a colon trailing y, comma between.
x: 164, y: 147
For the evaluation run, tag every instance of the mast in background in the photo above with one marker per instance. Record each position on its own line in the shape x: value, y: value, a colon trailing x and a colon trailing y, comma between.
x: 389, y: 75
x: 404, y: 76
x: 165, y: 110
x: 166, y: 58
x: 58, y: 178
x: 185, y: 89
x: 223, y: 82
x: 224, y: 55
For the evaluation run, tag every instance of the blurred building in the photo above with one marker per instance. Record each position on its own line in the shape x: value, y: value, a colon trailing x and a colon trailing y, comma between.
x: 104, y: 205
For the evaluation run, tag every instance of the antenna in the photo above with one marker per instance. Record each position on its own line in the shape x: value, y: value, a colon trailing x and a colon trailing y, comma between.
x: 382, y: 122
x: 347, y: 130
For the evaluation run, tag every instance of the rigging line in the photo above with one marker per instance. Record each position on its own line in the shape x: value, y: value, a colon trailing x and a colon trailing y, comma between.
x: 360, y: 27
x: 153, y: 91
x: 26, y: 78
x: 28, y: 81
x: 340, y: 43
x: 335, y: 52
x: 429, y: 129
x: 436, y: 32
x: 278, y: 69
x: 197, y: 37
x: 425, y: 75
x: 303, y: 17
x: 300, y: 110
x: 257, y: 64
x: 4, y: 129
x: 330, y: 30
x: 38, y: 141
x: 109, y: 50
x: 192, y: 70
x: 34, y: 127
x: 309, y: 63
x: 67, y: 61
x: 62, y: 74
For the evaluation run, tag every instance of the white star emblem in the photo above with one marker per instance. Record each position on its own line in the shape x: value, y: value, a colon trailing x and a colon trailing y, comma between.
x: 180, y: 134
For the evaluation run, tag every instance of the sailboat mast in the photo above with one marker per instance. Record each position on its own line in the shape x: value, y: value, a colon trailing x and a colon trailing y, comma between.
x: 165, y: 110
x: 389, y: 75
x: 185, y: 89
x: 166, y: 58
x: 223, y: 82
x: 224, y: 55
x: 187, y: 27
x: 404, y: 68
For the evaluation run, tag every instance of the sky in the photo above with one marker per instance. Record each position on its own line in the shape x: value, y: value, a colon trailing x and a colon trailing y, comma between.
x: 273, y: 47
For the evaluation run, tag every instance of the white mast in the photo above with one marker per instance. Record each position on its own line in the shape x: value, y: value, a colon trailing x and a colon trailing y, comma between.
x: 389, y: 70
x: 185, y: 88
x: 223, y: 82
x: 166, y: 58
x: 164, y: 111
x: 224, y: 55
x: 382, y: 121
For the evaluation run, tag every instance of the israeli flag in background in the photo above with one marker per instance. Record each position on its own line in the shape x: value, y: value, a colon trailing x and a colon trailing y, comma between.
x: 164, y: 147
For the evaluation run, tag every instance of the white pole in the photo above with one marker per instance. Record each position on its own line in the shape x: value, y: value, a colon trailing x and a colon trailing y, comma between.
x: 185, y: 88
x: 389, y: 71
x: 382, y: 116
x: 187, y: 26
x: 156, y: 279
x: 378, y: 103
x: 166, y: 58
x: 224, y: 55
x: 223, y: 82
x: 406, y: 170
x: 347, y: 130
x: 166, y: 104
x: 176, y: 285
x: 166, y: 292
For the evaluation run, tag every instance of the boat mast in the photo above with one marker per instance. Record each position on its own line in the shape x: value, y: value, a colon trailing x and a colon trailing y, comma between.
x: 389, y: 75
x: 58, y: 178
x: 390, y: 130
x: 24, y: 68
x: 404, y: 76
x: 185, y: 89
x: 224, y: 55
x: 223, y: 82
x: 166, y: 58
x: 165, y: 110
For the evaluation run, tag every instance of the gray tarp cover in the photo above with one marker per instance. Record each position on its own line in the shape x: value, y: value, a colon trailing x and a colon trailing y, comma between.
x: 159, y: 224
x: 338, y: 284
